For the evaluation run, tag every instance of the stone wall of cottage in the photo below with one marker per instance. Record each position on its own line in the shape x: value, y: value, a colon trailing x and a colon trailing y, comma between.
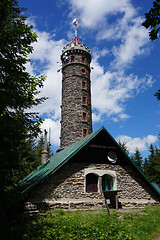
x: 66, y: 188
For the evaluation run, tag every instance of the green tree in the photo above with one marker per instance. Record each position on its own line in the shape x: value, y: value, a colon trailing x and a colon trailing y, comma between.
x: 152, y: 20
x: 151, y: 165
x: 157, y: 94
x: 123, y: 146
x: 137, y: 159
x: 18, y: 94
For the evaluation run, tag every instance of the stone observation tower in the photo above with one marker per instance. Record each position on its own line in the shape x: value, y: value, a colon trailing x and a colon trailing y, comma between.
x: 76, y: 113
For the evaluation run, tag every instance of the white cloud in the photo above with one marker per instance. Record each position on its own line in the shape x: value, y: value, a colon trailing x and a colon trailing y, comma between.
x: 96, y: 118
x: 93, y: 12
x: 115, y: 20
x: 133, y: 44
x: 55, y: 130
x: 141, y: 143
x: 111, y: 90
x: 44, y: 61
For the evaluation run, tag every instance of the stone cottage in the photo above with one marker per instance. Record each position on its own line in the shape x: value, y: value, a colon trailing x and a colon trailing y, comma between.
x: 85, y: 173
x: 89, y: 167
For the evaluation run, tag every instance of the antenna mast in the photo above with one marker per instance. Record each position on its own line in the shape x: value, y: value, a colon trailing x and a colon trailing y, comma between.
x: 75, y: 23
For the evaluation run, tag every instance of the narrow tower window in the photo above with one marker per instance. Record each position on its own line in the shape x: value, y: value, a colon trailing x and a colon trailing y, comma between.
x: 84, y: 100
x: 83, y: 59
x: 84, y: 85
x: 84, y: 116
x: 85, y: 132
x: 72, y: 58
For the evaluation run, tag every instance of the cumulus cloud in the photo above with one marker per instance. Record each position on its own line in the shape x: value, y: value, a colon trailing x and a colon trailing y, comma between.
x: 132, y: 44
x: 46, y: 60
x: 93, y: 12
x: 126, y: 27
x: 141, y: 143
x: 112, y: 89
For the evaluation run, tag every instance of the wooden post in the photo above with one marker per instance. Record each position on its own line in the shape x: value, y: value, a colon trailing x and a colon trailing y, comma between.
x: 107, y: 207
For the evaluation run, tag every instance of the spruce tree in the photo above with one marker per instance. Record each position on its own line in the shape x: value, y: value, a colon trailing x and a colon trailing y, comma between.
x: 137, y: 159
x: 151, y: 165
x: 18, y: 94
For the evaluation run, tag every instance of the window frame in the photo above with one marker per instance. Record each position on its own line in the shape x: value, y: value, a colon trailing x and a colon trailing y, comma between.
x: 84, y: 116
x: 83, y: 70
x: 84, y: 100
x: 100, y: 174
x: 91, y: 177
x: 84, y: 129
x: 85, y: 85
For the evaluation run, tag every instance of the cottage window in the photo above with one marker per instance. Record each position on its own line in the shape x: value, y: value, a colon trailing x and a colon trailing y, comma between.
x: 91, y: 183
x: 107, y: 183
x: 107, y: 180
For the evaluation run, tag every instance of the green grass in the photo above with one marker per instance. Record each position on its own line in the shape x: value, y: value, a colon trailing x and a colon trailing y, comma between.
x: 59, y: 224
x: 143, y: 224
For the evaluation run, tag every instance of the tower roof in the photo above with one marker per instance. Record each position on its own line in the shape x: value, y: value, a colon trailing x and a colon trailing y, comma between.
x: 76, y: 46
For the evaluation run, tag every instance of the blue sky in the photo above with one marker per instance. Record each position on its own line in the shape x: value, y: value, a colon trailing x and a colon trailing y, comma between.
x: 126, y: 65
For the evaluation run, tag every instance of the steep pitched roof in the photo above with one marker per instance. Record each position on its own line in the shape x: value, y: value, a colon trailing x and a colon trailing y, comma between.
x: 52, y: 165
x: 59, y: 159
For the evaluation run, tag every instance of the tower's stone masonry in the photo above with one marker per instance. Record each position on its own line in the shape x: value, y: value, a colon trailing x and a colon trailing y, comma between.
x: 76, y: 114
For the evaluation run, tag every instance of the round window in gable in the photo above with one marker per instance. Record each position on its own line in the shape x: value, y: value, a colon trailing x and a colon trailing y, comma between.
x: 83, y: 70
x: 112, y: 157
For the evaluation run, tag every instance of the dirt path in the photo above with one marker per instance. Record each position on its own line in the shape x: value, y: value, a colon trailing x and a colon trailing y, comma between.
x: 157, y: 237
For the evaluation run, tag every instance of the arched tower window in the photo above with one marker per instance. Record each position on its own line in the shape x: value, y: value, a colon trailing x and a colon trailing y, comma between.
x: 91, y: 183
x: 107, y: 182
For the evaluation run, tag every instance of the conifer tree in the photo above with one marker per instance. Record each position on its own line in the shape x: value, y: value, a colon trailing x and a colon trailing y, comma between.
x: 151, y: 165
x: 18, y: 94
x: 137, y: 158
x: 124, y: 147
